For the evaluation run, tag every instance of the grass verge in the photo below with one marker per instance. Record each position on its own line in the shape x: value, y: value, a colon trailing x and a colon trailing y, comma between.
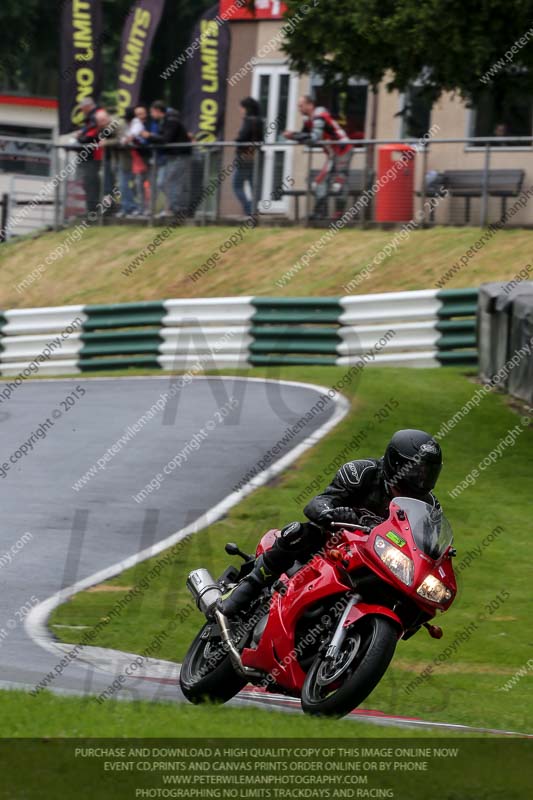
x: 90, y: 269
x: 50, y: 715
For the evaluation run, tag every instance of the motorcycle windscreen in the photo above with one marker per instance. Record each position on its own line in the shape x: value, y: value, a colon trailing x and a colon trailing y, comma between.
x: 431, y: 530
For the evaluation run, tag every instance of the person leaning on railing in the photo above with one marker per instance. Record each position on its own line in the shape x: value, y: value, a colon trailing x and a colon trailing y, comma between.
x: 140, y: 160
x: 320, y: 126
x: 110, y: 131
x: 172, y: 163
x: 126, y: 158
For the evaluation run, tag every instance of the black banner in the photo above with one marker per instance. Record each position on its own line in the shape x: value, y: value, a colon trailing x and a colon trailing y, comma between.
x: 137, y: 36
x: 81, y: 61
x: 206, y: 74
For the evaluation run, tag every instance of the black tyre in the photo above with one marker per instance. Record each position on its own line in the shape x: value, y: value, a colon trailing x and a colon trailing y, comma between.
x: 207, y: 674
x: 335, y: 689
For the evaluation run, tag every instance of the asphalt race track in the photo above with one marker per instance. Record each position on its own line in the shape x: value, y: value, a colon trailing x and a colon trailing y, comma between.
x: 79, y: 534
x: 56, y: 540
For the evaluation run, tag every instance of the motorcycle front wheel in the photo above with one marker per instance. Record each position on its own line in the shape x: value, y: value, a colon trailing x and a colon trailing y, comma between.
x: 336, y: 687
x: 207, y: 674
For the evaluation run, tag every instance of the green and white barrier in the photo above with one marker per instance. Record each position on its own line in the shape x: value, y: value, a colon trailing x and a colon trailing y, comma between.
x: 425, y: 328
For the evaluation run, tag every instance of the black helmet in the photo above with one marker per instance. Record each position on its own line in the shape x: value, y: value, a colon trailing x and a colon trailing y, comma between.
x: 412, y: 463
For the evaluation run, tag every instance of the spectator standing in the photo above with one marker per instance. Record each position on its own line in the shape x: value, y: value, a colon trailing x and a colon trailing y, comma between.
x: 156, y: 158
x: 139, y: 160
x: 320, y: 126
x: 131, y: 128
x: 252, y: 130
x: 172, y: 163
x: 109, y: 131
x: 89, y: 168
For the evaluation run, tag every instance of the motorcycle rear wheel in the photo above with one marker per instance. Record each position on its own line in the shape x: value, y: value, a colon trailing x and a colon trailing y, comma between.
x: 336, y: 689
x: 202, y: 682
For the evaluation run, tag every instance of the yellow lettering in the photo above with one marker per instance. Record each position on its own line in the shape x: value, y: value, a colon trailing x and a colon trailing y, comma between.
x: 78, y: 6
x: 84, y: 83
x: 208, y: 114
x: 142, y: 18
x: 77, y: 117
x: 134, y: 49
x: 85, y: 76
x: 82, y: 32
x: 209, y: 28
x: 209, y: 57
x: 137, y: 32
x: 123, y: 78
x: 209, y: 106
x: 124, y: 100
x: 88, y: 55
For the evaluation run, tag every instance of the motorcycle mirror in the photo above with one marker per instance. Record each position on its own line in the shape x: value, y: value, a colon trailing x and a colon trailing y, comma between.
x: 233, y: 549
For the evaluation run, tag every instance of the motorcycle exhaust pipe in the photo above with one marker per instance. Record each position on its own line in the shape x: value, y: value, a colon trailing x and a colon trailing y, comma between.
x: 246, y: 672
x: 204, y: 589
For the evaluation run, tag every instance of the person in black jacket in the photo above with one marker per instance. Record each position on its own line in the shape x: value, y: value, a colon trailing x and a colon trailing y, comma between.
x: 360, y: 492
x: 251, y: 131
x: 173, y: 163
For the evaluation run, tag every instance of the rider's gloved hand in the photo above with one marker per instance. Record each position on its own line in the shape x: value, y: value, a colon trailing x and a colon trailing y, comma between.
x: 371, y: 520
x: 341, y: 514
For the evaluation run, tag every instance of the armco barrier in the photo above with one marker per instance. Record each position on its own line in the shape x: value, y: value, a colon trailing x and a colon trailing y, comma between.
x: 424, y: 328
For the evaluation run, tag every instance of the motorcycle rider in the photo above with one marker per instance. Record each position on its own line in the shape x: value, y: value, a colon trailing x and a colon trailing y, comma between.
x: 320, y: 126
x: 362, y: 488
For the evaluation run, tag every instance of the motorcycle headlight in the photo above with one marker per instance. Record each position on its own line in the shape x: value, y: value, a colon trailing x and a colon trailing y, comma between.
x: 398, y: 563
x: 433, y: 589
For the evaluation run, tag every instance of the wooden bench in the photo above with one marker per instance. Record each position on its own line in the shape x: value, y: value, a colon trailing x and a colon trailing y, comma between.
x: 359, y: 180
x: 469, y: 183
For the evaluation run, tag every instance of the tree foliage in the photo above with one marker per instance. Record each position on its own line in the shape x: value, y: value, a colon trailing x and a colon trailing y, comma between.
x: 447, y: 44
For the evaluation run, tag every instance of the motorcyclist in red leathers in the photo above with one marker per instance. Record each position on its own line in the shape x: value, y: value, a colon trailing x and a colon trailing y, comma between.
x: 359, y: 493
x: 320, y: 126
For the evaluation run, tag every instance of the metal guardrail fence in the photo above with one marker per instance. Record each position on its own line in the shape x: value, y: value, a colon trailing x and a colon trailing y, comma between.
x: 460, y: 181
x: 421, y: 329
x: 382, y: 182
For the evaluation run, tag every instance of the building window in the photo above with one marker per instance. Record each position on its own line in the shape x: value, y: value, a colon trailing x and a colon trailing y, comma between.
x: 416, y: 113
x: 21, y: 156
x: 348, y: 104
x: 504, y: 114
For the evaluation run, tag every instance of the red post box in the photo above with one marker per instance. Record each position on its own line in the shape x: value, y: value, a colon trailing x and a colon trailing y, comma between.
x: 396, y: 170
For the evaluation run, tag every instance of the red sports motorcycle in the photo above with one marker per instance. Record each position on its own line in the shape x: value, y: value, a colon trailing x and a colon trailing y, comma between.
x: 327, y: 630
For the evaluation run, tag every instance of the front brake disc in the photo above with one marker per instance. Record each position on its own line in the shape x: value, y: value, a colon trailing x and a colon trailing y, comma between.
x: 331, y: 670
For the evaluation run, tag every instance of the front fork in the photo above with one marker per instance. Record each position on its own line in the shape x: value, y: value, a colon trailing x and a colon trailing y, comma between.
x: 339, y: 636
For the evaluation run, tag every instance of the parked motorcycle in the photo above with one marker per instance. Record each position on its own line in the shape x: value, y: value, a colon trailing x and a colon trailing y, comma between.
x: 327, y: 630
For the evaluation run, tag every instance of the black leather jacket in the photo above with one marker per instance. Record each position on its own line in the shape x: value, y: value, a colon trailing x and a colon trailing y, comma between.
x: 360, y: 485
x: 171, y: 130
